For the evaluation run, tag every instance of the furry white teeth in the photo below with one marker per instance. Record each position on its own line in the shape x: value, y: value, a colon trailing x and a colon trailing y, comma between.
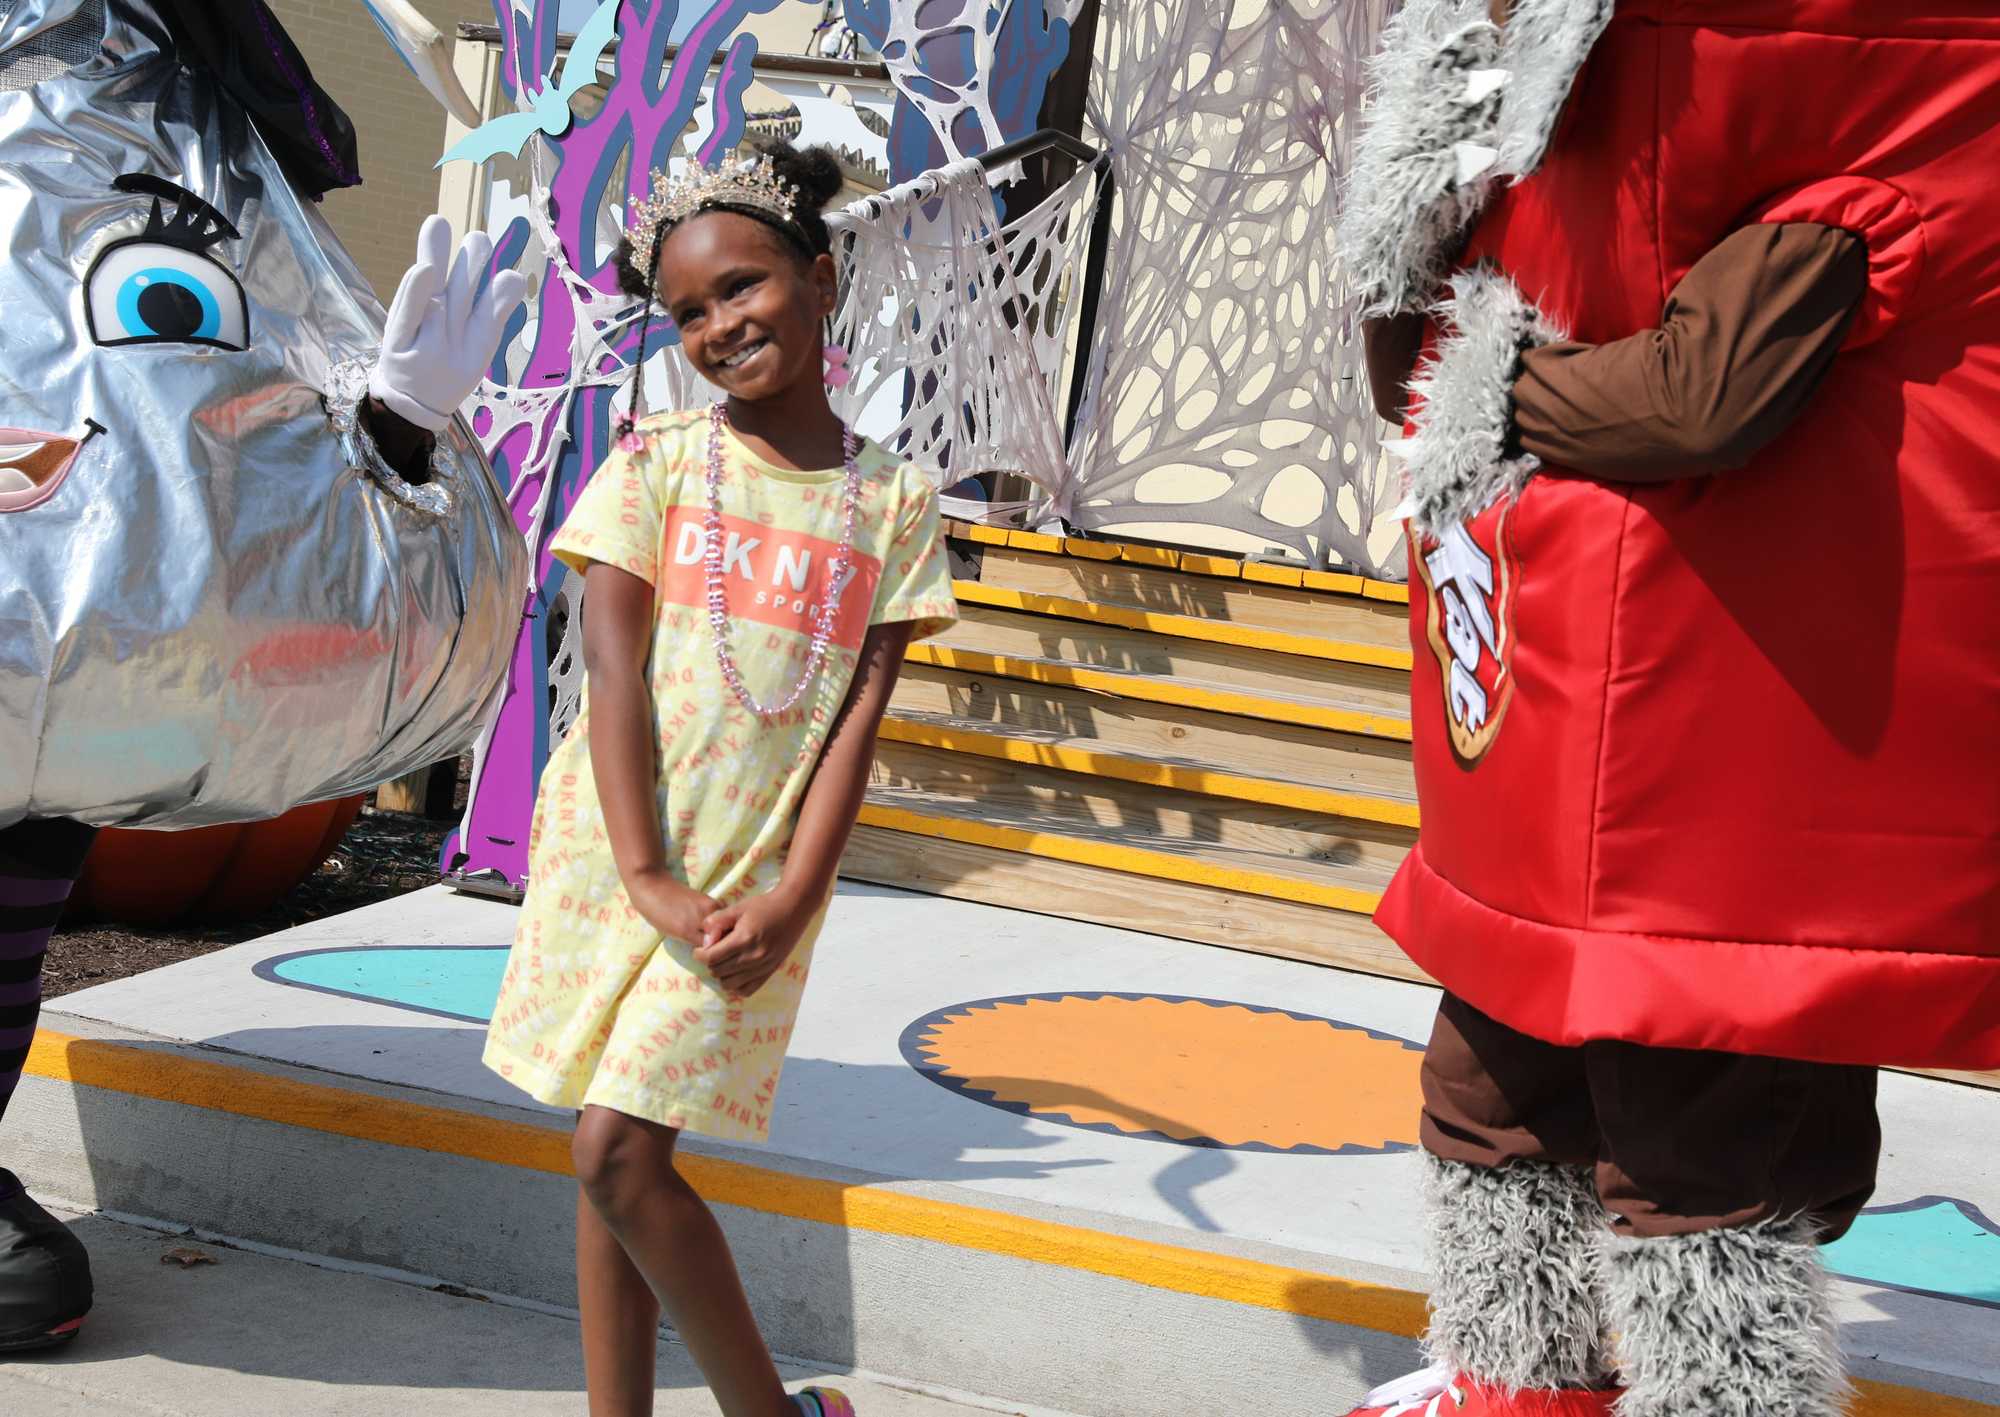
x: 1482, y: 84
x: 1474, y: 160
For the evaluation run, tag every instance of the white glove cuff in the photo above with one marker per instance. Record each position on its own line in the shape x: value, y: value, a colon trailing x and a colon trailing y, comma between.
x: 404, y: 405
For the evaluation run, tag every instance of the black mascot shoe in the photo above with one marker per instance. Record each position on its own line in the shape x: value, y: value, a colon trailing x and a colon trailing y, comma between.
x: 44, y: 1274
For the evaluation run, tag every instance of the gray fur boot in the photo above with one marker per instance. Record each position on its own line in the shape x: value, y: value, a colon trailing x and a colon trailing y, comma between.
x: 1727, y: 1323
x: 1515, y: 1251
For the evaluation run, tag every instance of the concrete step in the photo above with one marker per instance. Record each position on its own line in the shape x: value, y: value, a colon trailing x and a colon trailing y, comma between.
x: 246, y: 1332
x: 1075, y: 1167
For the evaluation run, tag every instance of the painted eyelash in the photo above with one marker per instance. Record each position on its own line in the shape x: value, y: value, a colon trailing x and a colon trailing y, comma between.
x: 195, y: 225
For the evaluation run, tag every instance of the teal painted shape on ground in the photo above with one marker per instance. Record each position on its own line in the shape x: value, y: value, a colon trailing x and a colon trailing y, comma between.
x: 1934, y: 1245
x: 461, y: 982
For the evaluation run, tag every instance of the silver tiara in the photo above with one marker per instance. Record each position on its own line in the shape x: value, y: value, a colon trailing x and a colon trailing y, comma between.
x: 750, y: 182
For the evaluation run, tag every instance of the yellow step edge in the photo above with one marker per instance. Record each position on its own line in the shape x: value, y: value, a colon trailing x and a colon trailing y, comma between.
x: 1035, y: 541
x: 1178, y: 693
x: 1090, y: 550
x: 1200, y: 563
x: 1337, y: 582
x: 1182, y: 627
x: 159, y: 1075
x: 974, y: 532
x: 1115, y: 856
x: 1163, y: 556
x: 1127, y: 768
x: 336, y: 1111
x: 1271, y: 573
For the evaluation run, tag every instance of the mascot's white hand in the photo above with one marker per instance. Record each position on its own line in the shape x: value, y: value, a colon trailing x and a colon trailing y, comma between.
x: 443, y: 330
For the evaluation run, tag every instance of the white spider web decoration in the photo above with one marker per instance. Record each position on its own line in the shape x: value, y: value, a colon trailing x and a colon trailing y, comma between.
x: 1227, y: 387
x: 957, y: 106
x: 964, y: 322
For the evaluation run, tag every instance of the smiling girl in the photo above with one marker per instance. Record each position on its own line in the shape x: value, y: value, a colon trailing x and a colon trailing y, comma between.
x: 753, y: 572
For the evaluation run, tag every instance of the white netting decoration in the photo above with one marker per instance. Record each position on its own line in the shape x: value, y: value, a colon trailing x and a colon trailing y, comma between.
x: 944, y: 56
x: 1227, y: 387
x: 565, y: 656
x: 963, y: 322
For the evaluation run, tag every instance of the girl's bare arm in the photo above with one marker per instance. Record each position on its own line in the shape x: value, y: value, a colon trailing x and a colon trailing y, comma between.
x: 748, y: 943
x: 624, y: 760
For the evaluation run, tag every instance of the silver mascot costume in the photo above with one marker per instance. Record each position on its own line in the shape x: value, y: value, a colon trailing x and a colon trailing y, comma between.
x: 248, y: 556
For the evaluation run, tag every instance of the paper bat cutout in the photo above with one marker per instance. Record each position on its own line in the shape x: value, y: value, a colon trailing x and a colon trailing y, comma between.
x: 550, y: 113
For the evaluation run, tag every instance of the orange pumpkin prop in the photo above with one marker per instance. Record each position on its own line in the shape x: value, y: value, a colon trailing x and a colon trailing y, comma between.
x: 214, y: 874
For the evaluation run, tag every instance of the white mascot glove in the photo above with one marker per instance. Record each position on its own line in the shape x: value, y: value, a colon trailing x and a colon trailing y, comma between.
x: 443, y: 331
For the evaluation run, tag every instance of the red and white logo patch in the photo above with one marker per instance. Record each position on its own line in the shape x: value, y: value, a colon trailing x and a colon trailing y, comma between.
x: 1469, y: 622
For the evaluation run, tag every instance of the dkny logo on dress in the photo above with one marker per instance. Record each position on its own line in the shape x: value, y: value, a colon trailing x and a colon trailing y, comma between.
x: 770, y: 575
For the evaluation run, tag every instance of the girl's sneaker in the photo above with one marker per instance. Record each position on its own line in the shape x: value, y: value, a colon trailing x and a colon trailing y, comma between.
x: 823, y: 1402
x: 1438, y: 1392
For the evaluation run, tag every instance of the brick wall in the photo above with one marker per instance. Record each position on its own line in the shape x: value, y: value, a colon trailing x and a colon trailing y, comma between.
x: 399, y: 126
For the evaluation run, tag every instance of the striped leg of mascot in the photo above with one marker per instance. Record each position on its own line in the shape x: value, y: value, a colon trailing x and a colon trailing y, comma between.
x: 248, y: 557
x: 1689, y: 310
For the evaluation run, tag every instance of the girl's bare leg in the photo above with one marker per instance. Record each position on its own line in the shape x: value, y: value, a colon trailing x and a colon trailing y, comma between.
x: 626, y: 1167
x: 621, y: 1320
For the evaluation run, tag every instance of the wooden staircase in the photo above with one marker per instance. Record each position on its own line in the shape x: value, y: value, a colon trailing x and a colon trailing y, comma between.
x: 1191, y: 745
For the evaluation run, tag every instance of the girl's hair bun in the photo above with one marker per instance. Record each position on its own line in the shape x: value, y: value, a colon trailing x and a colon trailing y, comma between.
x: 817, y: 175
x: 814, y: 171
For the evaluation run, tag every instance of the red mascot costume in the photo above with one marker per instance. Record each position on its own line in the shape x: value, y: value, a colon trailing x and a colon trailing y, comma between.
x: 1703, y: 306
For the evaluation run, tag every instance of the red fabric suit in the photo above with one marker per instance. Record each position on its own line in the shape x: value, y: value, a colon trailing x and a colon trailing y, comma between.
x: 1716, y: 763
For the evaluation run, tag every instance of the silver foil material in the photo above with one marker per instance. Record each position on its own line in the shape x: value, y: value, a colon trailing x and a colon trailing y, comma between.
x: 229, y: 605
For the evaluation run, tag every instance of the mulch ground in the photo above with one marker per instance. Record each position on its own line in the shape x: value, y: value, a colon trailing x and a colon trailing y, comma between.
x: 384, y: 854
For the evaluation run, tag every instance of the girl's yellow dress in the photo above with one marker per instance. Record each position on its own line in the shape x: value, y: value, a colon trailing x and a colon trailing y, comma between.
x: 596, y: 1008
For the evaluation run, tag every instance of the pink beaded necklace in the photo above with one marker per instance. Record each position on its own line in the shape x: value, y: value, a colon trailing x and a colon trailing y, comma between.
x: 822, y: 616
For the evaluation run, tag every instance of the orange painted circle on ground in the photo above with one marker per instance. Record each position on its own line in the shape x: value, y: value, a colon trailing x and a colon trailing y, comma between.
x: 1200, y: 1072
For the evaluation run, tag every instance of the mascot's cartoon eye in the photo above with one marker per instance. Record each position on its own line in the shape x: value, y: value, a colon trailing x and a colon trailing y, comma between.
x: 162, y: 286
x: 151, y: 292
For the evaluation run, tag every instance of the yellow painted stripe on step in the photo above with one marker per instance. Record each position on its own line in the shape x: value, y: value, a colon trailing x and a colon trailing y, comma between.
x: 1115, y: 856
x: 1152, y: 773
x: 1183, y: 627
x: 1090, y: 550
x: 163, y: 1075
x: 1203, y: 564
x: 1035, y: 541
x: 973, y: 531
x: 1873, y: 1399
x: 1270, y: 573
x: 245, y: 1092
x: 1177, y: 692
x: 1336, y: 582
x: 1198, y: 563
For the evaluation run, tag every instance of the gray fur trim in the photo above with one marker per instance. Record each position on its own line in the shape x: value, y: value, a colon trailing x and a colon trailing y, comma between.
x: 1543, y: 50
x: 1457, y: 460
x: 1726, y: 1323
x: 1406, y: 207
x: 1515, y: 1251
